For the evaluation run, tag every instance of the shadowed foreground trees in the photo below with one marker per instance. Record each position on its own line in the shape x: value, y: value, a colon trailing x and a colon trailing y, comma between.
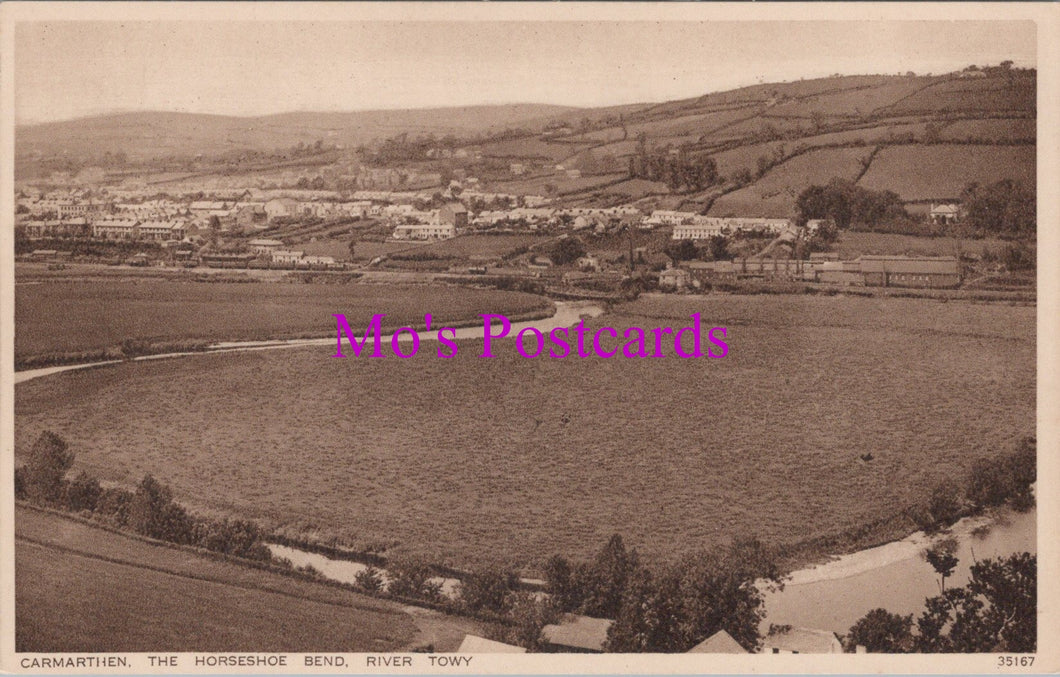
x: 996, y: 612
x: 670, y: 609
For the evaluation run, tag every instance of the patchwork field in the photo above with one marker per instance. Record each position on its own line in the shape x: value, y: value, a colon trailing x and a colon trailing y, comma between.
x: 775, y: 193
x: 942, y: 171
x: 470, y: 459
x: 60, y: 317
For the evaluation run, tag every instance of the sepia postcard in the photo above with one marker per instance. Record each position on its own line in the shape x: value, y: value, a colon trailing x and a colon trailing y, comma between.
x: 509, y: 338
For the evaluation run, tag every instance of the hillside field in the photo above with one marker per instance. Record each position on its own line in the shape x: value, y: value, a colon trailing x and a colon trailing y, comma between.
x: 468, y: 459
x: 939, y: 172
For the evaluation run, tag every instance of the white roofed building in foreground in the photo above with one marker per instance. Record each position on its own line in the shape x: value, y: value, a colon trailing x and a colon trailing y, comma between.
x: 476, y: 644
x: 719, y: 642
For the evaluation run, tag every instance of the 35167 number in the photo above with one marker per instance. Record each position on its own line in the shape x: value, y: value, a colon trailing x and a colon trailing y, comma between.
x: 1015, y: 661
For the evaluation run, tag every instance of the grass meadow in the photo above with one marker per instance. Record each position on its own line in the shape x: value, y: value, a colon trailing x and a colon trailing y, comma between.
x: 942, y: 171
x: 65, y: 317
x: 468, y: 459
x: 83, y: 589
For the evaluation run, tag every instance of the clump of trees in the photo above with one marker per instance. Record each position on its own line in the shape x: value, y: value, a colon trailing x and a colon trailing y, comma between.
x: 992, y: 482
x: 848, y: 204
x: 564, y: 250
x: 149, y: 510
x: 1005, y: 208
x: 670, y: 609
x: 679, y: 171
x: 995, y: 612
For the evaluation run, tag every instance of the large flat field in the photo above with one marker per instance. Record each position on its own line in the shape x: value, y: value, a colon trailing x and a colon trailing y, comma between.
x: 468, y: 459
x: 63, y: 317
x: 852, y: 244
x: 79, y: 588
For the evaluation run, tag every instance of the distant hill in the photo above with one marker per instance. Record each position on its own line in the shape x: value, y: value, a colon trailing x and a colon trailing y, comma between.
x: 157, y: 134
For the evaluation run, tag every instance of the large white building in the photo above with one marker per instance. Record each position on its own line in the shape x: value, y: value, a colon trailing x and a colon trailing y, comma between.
x: 424, y: 231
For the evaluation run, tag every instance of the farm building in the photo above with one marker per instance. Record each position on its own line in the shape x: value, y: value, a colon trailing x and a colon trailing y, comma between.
x: 934, y: 272
x: 577, y: 634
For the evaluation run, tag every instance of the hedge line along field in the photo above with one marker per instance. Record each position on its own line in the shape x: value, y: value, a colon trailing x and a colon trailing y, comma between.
x: 468, y: 459
x: 62, y: 317
x: 80, y: 588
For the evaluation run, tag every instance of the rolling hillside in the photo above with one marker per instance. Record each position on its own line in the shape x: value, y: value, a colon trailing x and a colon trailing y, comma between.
x: 156, y: 134
x: 923, y: 137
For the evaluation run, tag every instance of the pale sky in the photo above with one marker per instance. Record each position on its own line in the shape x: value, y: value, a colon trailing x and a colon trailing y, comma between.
x: 72, y: 69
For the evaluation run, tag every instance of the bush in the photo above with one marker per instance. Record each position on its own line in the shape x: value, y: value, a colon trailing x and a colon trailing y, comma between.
x: 995, y: 481
x: 239, y: 538
x: 83, y: 493
x: 487, y: 590
x: 880, y: 631
x: 411, y: 577
x: 945, y: 503
x: 48, y: 464
x: 153, y: 513
x: 113, y: 504
x: 369, y: 579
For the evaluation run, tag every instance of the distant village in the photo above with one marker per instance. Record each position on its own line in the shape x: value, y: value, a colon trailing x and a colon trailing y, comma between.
x: 185, y: 227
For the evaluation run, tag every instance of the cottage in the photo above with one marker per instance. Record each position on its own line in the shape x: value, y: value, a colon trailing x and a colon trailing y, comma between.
x: 161, y: 230
x: 577, y: 634
x: 945, y: 213
x: 674, y: 278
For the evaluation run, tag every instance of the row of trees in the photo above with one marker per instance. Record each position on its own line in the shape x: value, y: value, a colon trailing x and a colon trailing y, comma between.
x: 679, y: 171
x: 667, y: 609
x: 149, y: 510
